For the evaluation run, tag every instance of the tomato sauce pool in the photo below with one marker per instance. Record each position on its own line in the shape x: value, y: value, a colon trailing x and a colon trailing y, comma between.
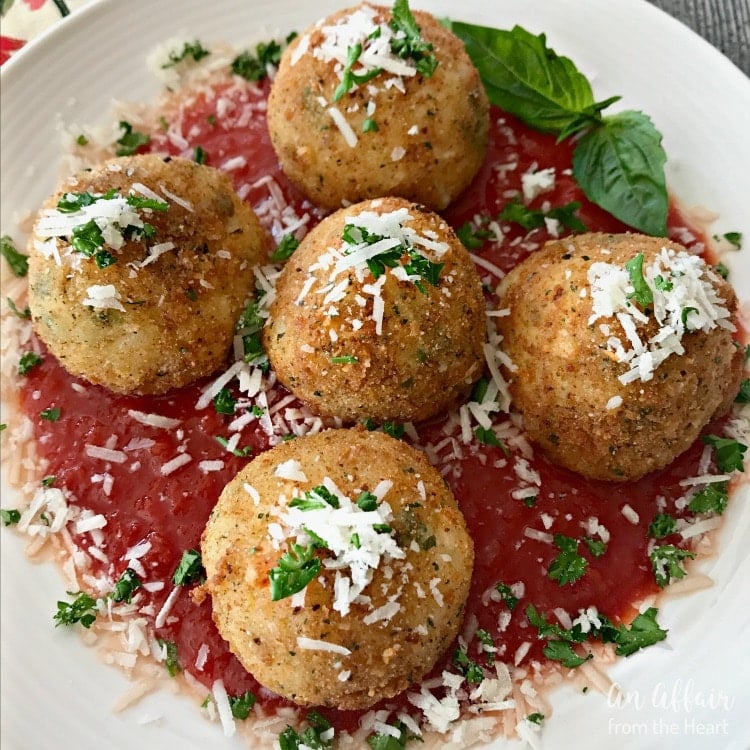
x: 142, y: 504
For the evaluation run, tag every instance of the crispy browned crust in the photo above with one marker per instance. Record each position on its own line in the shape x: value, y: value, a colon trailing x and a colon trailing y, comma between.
x: 566, y: 376
x: 181, y: 310
x: 449, y: 109
x: 427, y: 356
x: 386, y: 657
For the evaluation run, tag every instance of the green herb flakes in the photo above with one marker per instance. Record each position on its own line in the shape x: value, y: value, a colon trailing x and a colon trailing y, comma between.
x: 171, y: 662
x: 568, y: 566
x: 82, y: 610
x: 18, y: 262
x: 130, y: 140
x: 666, y: 562
x: 190, y: 50
x: 241, y: 705
x: 190, y: 569
x: 50, y: 415
x: 27, y: 362
x: 10, y: 516
x: 126, y: 586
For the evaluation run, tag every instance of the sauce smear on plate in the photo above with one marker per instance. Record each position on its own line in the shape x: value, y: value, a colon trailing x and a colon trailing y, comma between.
x: 149, y: 494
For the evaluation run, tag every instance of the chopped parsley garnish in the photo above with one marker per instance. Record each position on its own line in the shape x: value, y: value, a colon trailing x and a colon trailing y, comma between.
x: 141, y: 201
x: 390, y: 742
x: 472, y: 237
x: 289, y: 243
x: 367, y: 501
x: 241, y: 705
x: 394, y: 429
x: 641, y: 293
x: 531, y: 218
x: 595, y: 546
x: 224, y: 402
x: 370, y: 126
x: 199, y: 155
x: 27, y: 361
x: 194, y: 50
x: 10, y: 516
x: 18, y: 262
x: 568, y: 566
x: 562, y: 651
x: 24, y: 314
x: 350, y: 79
x: 82, y: 140
x: 743, y: 395
x: 643, y: 631
x: 510, y: 600
x: 472, y: 671
x: 315, y: 499
x: 255, y: 67
x: 190, y: 569
x: 51, y: 414
x: 729, y: 452
x: 171, y: 662
x: 126, y: 586
x: 48, y: 481
x: 734, y: 239
x: 713, y: 498
x: 311, y: 737
x: 662, y: 525
x: 722, y: 270
x: 130, y: 140
x: 416, y: 265
x: 486, y: 436
x: 82, y: 609
x: 411, y: 43
x: 249, y: 325
x: 535, y: 718
x: 243, y: 452
x: 294, y: 571
x: 344, y: 359
x: 666, y: 562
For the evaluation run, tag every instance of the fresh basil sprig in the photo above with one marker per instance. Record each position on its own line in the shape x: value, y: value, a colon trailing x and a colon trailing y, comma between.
x: 618, y: 160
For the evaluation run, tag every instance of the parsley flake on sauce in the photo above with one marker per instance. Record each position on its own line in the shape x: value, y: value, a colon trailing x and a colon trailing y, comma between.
x: 190, y: 569
x: 729, y: 452
x: 311, y: 737
x: 568, y: 566
x: 666, y: 562
x: 81, y: 610
x: 126, y: 586
x: 386, y: 741
x: 472, y: 671
x: 510, y: 600
x: 713, y: 498
x: 288, y: 244
x: 28, y: 361
x: 662, y: 525
x: 241, y: 705
x: 171, y: 662
x: 51, y: 414
x: 130, y: 140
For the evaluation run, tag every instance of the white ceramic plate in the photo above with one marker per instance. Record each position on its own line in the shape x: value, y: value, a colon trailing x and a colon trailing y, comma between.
x: 694, y: 692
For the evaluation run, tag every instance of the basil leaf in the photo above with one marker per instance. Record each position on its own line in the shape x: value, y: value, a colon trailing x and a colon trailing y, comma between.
x: 620, y: 167
x: 526, y: 78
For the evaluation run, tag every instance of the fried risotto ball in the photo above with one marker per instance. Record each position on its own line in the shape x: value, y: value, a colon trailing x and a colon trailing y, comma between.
x: 379, y: 314
x: 624, y: 351
x: 412, y: 122
x: 393, y: 563
x: 139, y: 270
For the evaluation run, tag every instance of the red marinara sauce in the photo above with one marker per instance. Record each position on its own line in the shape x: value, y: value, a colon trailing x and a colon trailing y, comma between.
x: 144, y: 503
